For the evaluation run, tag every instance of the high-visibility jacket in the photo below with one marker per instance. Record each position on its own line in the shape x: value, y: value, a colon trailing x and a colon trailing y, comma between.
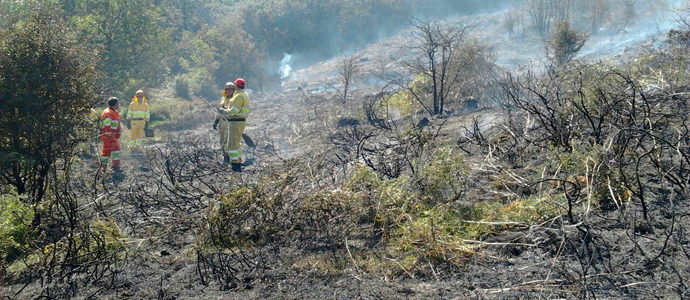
x: 237, y: 106
x: 138, y: 110
x: 223, y: 103
x: 110, y: 124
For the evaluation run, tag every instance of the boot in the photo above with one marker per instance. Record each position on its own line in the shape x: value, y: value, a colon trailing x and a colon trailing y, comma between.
x: 226, y: 159
x: 237, y: 167
x: 118, y: 175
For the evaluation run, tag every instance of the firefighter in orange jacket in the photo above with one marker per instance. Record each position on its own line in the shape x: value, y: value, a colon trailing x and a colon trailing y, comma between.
x: 110, y: 135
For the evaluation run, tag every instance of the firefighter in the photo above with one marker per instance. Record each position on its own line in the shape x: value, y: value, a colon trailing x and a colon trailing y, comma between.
x: 221, y: 121
x: 235, y: 110
x: 138, y: 117
x: 110, y: 135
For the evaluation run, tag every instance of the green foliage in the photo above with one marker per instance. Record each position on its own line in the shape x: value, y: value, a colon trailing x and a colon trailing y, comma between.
x: 47, y: 89
x: 229, y: 219
x: 494, y: 216
x: 129, y: 38
x: 451, y: 232
x: 402, y: 103
x: 198, y: 63
x: 388, y: 200
x: 182, y: 88
x: 303, y: 26
x: 174, y: 112
x: 476, y: 68
x: 422, y: 219
x: 596, y: 146
x: 417, y: 218
x: 108, y: 232
x: 443, y: 178
x: 326, y: 27
x: 15, y: 226
x: 144, y: 43
x: 98, y: 241
x: 399, y: 104
x: 435, y: 234
x: 236, y: 53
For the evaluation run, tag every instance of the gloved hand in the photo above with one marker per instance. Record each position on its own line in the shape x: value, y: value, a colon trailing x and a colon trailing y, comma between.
x: 215, y: 124
x: 146, y: 125
x: 221, y: 113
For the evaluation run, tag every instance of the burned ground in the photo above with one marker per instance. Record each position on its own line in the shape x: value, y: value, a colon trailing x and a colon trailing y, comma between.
x: 573, y: 185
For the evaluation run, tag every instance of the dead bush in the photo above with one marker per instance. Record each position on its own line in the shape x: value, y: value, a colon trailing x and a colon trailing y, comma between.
x: 74, y: 248
x: 609, y: 147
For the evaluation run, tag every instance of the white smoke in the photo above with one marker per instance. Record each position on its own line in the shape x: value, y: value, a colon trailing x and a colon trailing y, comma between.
x: 285, y: 67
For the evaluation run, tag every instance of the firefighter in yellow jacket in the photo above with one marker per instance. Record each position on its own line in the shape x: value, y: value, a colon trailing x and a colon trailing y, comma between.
x: 228, y: 92
x: 232, y: 116
x: 138, y: 117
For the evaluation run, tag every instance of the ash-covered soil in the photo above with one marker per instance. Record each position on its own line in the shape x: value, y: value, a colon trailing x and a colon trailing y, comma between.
x: 524, y: 262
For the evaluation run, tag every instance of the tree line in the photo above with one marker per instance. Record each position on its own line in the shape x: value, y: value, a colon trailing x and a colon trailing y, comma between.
x: 199, y: 44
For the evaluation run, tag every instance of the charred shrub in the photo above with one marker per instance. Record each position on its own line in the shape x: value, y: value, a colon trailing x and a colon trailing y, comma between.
x: 74, y: 248
x: 231, y: 246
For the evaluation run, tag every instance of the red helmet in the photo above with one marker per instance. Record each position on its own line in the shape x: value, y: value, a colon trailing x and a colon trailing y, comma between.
x: 240, y: 83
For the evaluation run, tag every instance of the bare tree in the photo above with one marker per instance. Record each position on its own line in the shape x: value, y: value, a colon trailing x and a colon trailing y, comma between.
x: 562, y: 9
x: 598, y: 12
x: 438, y: 44
x: 541, y: 12
x: 680, y: 36
x: 629, y: 10
x: 347, y: 71
x: 657, y: 9
x: 514, y: 22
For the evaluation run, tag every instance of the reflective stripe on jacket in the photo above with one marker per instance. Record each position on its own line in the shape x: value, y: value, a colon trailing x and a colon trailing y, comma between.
x: 238, y: 106
x: 138, y: 111
x: 110, y: 123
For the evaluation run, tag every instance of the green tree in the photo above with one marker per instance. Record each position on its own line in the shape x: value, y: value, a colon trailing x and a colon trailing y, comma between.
x: 236, y: 53
x: 132, y: 44
x: 47, y: 89
x: 10, y: 11
x: 198, y: 63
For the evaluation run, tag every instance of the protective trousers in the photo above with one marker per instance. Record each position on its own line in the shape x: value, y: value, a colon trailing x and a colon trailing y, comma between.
x: 224, y: 130
x: 136, y: 133
x: 230, y: 137
x: 111, y: 150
